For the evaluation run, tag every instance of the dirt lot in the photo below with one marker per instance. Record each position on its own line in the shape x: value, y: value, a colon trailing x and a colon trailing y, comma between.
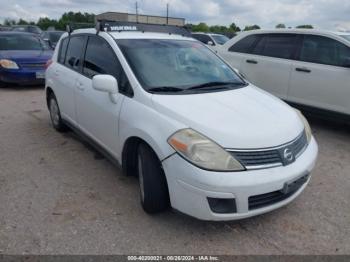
x: 58, y: 196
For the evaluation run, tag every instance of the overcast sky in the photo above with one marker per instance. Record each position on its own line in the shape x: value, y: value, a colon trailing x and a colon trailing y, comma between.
x: 325, y: 14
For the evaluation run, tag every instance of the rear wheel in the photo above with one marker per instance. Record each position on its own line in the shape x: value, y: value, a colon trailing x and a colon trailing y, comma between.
x: 55, y: 115
x: 153, y: 185
x: 2, y: 84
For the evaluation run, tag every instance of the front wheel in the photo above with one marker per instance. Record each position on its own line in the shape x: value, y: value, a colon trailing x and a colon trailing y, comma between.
x: 153, y: 185
x: 55, y: 115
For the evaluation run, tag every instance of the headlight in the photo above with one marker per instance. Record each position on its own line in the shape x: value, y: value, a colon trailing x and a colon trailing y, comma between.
x: 203, y: 152
x: 306, y: 125
x: 8, y: 64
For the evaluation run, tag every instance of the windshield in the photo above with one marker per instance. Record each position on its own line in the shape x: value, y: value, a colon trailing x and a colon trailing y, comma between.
x: 55, y: 36
x: 22, y: 42
x: 347, y: 37
x: 220, y: 39
x: 175, y: 64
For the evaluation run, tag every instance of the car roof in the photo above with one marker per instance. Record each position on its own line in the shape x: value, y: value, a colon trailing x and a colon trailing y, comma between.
x: 136, y: 35
x: 202, y: 33
x: 295, y: 31
x: 16, y: 33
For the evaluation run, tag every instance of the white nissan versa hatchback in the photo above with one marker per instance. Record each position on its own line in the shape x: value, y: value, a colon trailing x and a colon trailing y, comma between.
x: 171, y: 112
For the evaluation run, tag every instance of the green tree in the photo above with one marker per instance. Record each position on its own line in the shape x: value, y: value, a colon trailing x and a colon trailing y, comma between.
x: 22, y: 22
x: 9, y: 22
x: 234, y: 28
x: 251, y: 27
x: 281, y: 26
x: 45, y: 22
x: 201, y: 27
x: 305, y: 26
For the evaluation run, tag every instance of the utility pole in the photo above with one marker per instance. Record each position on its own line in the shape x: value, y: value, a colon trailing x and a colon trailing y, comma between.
x: 137, y: 11
x: 167, y: 13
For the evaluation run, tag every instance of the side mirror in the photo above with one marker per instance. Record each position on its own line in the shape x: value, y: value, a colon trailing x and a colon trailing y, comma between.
x: 105, y: 83
x: 47, y: 41
x: 211, y: 43
x: 346, y: 62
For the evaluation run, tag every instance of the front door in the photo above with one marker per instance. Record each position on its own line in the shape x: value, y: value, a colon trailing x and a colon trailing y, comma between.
x: 97, y: 113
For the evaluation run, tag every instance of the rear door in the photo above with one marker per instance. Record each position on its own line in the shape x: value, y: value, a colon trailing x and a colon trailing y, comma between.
x: 321, y: 78
x: 65, y: 74
x: 269, y: 63
x: 97, y: 115
x: 236, y: 53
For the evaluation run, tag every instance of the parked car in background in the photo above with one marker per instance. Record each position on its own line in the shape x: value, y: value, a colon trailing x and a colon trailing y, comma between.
x: 51, y: 37
x: 170, y: 111
x: 308, y: 68
x: 27, y: 28
x: 23, y: 57
x: 212, y: 40
x: 5, y: 28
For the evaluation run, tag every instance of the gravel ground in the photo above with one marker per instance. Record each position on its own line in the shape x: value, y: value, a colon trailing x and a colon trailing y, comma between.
x: 58, y: 196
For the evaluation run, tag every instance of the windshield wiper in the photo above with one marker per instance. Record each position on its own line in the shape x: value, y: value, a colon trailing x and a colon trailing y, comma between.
x: 165, y: 89
x: 216, y: 85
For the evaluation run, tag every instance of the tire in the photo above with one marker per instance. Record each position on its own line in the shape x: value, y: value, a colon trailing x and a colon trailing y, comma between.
x: 153, y: 185
x: 55, y: 115
x: 2, y: 84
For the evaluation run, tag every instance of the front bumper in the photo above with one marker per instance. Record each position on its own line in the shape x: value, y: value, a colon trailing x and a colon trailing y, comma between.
x: 189, y: 186
x: 22, y: 77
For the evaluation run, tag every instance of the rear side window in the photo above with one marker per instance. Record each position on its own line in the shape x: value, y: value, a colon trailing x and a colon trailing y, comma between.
x: 244, y: 45
x: 63, y: 50
x: 276, y: 45
x: 324, y: 50
x: 101, y: 59
x: 202, y: 38
x: 74, y: 52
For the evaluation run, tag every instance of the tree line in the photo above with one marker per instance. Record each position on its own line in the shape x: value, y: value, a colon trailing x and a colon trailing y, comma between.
x: 77, y: 17
x: 60, y: 24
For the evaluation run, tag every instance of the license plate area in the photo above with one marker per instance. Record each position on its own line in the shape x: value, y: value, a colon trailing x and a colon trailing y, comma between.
x: 40, y: 75
x: 292, y: 186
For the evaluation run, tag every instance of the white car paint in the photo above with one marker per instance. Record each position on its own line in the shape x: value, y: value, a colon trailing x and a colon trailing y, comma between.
x: 325, y: 86
x: 246, y: 118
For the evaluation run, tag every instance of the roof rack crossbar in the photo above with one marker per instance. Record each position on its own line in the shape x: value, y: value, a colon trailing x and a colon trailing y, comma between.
x: 117, y: 26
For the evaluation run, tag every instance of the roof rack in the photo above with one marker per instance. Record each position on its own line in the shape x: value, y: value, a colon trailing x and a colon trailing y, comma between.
x: 114, y: 26
x: 73, y: 26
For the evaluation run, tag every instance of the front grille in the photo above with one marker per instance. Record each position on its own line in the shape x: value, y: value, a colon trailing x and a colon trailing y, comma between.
x: 271, y: 198
x: 256, y: 159
x: 33, y: 65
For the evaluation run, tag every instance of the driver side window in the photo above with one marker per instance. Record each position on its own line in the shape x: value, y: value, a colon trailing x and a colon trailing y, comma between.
x: 101, y: 59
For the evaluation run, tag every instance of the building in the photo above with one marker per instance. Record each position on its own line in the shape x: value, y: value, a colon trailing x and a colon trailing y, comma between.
x: 147, y: 19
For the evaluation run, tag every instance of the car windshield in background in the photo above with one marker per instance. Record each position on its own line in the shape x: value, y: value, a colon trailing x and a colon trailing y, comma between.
x: 55, y: 36
x: 220, y: 39
x: 21, y: 42
x: 177, y: 65
x: 347, y: 37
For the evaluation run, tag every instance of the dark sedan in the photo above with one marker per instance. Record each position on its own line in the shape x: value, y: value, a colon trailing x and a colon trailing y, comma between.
x: 23, y: 58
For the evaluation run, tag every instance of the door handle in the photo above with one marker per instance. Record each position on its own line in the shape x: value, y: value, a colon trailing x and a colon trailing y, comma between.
x: 249, y: 61
x: 303, y: 70
x: 57, y: 73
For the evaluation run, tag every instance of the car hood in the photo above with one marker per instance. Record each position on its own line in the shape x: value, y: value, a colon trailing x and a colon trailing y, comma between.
x: 26, y: 55
x: 245, y: 118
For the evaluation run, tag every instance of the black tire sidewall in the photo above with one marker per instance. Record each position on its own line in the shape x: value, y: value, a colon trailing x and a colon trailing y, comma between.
x: 61, y: 127
x: 156, y: 195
